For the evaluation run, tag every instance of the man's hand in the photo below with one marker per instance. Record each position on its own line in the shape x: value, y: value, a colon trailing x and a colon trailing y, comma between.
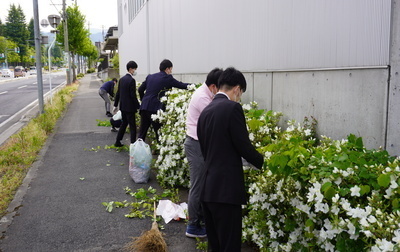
x: 115, y: 110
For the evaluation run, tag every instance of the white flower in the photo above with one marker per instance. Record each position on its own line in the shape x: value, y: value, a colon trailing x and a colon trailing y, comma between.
x: 355, y: 191
x: 396, y: 237
x: 384, y: 245
x: 364, y: 222
x: 329, y: 247
x: 246, y: 106
x: 393, y: 184
x: 388, y: 193
x: 307, y: 132
x: 371, y: 219
x: 267, y: 154
x: 251, y: 137
x: 335, y: 198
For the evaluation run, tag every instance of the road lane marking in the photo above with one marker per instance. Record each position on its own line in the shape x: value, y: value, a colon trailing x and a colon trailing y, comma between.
x: 4, y: 116
x: 33, y: 105
x: 23, y: 86
x: 5, y: 92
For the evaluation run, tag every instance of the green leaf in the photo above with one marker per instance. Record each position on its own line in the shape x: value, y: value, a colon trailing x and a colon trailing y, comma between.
x: 395, y: 203
x: 290, y: 224
x: 343, y: 157
x: 364, y: 173
x: 254, y: 124
x: 309, y: 223
x: 109, y: 206
x: 364, y: 189
x: 351, y: 138
x: 344, y: 191
x: 330, y: 193
x: 359, y: 143
x: 326, y: 186
x: 384, y: 180
x: 258, y: 113
x: 281, y: 160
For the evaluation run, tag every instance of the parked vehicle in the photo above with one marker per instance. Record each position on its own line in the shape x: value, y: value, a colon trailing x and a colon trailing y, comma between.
x: 19, y: 72
x: 32, y: 70
x: 6, y: 72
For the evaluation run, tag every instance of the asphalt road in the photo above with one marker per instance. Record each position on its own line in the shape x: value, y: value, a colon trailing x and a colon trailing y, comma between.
x: 17, y: 93
x: 19, y: 100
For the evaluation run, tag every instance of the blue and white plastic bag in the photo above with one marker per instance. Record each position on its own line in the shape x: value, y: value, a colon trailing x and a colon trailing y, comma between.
x: 140, y: 161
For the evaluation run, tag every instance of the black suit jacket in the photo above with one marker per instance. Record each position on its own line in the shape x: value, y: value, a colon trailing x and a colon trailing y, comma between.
x: 154, y: 87
x: 224, y: 139
x: 126, y: 94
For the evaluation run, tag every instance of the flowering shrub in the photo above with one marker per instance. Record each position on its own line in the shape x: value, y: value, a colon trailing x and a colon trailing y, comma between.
x: 172, y: 165
x: 311, y: 195
x: 332, y: 196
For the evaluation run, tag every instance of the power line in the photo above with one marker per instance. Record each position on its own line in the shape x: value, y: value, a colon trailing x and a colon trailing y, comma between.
x: 54, y: 5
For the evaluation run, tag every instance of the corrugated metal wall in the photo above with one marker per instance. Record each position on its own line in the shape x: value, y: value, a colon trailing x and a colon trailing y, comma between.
x: 300, y: 57
x: 267, y: 34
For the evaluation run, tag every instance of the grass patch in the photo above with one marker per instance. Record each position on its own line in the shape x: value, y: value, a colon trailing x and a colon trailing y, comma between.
x: 21, y: 150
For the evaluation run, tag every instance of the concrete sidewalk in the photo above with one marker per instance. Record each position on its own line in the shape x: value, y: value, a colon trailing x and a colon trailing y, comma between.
x: 57, y: 211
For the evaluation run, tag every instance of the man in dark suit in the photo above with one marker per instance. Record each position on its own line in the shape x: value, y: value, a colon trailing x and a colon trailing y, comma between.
x: 224, y: 140
x: 150, y: 92
x: 128, y: 103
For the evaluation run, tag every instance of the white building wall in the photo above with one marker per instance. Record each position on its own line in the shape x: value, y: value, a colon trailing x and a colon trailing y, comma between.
x: 266, y: 34
x: 321, y: 58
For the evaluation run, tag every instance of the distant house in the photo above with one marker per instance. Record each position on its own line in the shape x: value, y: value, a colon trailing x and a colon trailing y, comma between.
x: 337, y: 61
x: 108, y: 49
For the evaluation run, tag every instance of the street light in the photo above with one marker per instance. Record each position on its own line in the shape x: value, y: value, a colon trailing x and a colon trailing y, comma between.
x: 54, y: 21
x: 38, y: 56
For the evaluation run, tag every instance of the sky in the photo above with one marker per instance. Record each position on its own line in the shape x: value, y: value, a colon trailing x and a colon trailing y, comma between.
x: 98, y: 12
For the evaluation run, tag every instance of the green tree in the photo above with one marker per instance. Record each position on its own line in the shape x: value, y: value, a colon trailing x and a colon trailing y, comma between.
x: 77, y: 33
x: 16, y: 29
x: 11, y: 56
x: 31, y: 30
x: 1, y: 28
x: 89, y: 50
x: 115, y: 61
x: 57, y: 51
x: 29, y: 58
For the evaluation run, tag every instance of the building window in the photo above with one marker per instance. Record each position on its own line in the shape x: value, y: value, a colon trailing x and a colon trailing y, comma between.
x: 134, y: 6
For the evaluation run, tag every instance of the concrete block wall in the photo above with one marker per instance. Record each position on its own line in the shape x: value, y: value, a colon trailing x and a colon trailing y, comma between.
x: 349, y: 101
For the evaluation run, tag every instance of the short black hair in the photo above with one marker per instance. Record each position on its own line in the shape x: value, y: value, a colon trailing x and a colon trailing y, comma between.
x: 131, y: 64
x: 115, y: 80
x: 165, y: 64
x: 230, y: 78
x: 213, y: 76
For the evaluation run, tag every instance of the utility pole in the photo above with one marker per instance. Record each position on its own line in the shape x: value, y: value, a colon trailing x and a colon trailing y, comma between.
x: 38, y: 38
x: 66, y: 45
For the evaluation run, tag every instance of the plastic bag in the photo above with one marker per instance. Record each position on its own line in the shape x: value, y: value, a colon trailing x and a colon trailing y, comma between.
x: 140, y: 161
x: 169, y: 210
x: 117, y: 116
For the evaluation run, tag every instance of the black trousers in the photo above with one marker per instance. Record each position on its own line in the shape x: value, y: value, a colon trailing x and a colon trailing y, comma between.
x: 145, y: 122
x: 128, y: 118
x: 224, y: 226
